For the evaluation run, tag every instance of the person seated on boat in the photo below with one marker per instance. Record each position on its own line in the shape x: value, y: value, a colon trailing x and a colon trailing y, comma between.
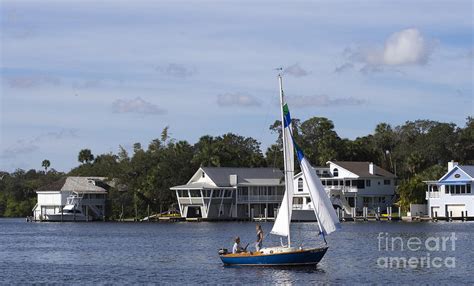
x: 237, y: 247
x: 258, y: 244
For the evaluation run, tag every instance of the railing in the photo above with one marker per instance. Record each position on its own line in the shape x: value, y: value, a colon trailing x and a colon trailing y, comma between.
x: 349, y: 189
x: 275, y: 198
x: 431, y: 195
x: 297, y: 206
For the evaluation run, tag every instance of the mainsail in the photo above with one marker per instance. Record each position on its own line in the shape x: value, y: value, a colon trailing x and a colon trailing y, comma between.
x: 282, y: 222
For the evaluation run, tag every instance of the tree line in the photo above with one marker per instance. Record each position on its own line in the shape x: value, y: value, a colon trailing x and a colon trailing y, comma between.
x: 415, y: 151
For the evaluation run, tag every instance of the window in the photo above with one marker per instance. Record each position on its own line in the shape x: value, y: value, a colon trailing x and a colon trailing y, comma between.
x: 195, y: 193
x: 329, y: 183
x: 203, y: 175
x: 308, y: 200
x: 297, y: 201
x: 458, y: 189
x: 341, y: 183
x: 323, y: 182
x: 228, y: 194
x: 183, y: 193
x: 463, y: 189
x: 446, y: 189
x: 244, y: 191
x: 386, y: 182
x: 271, y: 191
x: 348, y: 183
x: 335, y: 172
x: 300, y: 184
x: 367, y: 182
x: 360, y: 184
x: 206, y: 193
x: 468, y: 188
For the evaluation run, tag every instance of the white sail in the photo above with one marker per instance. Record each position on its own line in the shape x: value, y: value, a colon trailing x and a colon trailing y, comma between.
x: 323, y: 209
x: 282, y: 222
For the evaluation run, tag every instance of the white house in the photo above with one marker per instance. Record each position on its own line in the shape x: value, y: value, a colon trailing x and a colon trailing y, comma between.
x: 85, y: 195
x: 231, y: 193
x: 227, y: 193
x: 349, y: 185
x: 452, y: 195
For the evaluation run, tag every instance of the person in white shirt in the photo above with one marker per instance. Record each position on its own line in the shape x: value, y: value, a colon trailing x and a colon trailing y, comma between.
x: 258, y: 244
x: 237, y: 247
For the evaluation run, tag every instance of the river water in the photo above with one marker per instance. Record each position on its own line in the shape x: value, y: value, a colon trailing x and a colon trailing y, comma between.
x: 186, y: 253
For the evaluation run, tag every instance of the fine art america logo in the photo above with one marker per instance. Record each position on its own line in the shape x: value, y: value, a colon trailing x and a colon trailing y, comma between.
x: 416, y: 252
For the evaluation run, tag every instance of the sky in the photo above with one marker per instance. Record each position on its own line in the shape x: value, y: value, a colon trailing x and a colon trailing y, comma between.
x: 104, y: 74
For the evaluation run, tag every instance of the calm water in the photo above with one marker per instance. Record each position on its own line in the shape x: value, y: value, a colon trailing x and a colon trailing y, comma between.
x: 121, y: 253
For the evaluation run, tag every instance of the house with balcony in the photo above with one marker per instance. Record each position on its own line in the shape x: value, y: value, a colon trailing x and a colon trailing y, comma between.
x: 452, y: 195
x: 351, y: 186
x: 86, y: 197
x: 215, y: 193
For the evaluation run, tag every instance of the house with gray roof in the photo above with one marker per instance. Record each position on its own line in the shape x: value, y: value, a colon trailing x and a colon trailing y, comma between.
x: 88, y: 195
x: 452, y: 196
x: 231, y: 193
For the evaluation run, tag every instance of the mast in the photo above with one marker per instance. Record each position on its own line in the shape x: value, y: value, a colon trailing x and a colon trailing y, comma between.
x: 285, y: 162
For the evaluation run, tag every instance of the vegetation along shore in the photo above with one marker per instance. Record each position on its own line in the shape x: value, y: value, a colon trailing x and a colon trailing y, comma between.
x: 415, y: 151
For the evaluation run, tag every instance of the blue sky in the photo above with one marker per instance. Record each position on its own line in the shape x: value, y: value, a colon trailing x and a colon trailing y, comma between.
x: 86, y: 74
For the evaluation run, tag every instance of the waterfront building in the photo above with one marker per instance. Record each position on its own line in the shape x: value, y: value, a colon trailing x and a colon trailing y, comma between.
x: 245, y: 193
x: 452, y: 195
x: 351, y: 186
x: 231, y: 193
x: 72, y: 198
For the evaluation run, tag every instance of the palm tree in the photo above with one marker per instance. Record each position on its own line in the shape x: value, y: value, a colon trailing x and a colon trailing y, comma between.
x: 85, y: 156
x: 46, y: 163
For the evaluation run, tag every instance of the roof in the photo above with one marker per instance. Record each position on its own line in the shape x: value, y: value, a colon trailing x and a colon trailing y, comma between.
x: 361, y: 169
x: 196, y: 185
x: 245, y: 176
x: 76, y: 184
x: 468, y: 169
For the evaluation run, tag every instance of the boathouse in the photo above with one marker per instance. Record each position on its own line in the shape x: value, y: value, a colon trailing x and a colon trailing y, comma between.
x: 231, y: 193
x: 86, y: 196
x: 452, y: 195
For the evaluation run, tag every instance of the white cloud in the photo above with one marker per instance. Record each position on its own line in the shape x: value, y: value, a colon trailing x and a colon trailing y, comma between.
x: 343, y: 67
x: 402, y: 48
x: 322, y: 101
x: 236, y: 99
x: 26, y: 146
x: 29, y: 81
x: 296, y: 70
x: 405, y: 47
x: 137, y: 105
x: 177, y: 70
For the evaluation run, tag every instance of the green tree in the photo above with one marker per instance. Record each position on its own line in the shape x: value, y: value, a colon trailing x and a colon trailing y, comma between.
x: 85, y: 156
x: 320, y: 142
x: 46, y: 164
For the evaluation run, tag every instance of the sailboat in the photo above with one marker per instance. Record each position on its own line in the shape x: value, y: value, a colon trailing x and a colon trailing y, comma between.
x: 288, y: 255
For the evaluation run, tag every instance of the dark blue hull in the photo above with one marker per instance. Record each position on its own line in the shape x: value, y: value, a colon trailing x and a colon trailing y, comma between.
x: 300, y: 257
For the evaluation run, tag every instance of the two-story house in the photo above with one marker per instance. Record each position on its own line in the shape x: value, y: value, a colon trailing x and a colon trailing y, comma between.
x: 230, y: 193
x: 350, y: 186
x: 452, y: 195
